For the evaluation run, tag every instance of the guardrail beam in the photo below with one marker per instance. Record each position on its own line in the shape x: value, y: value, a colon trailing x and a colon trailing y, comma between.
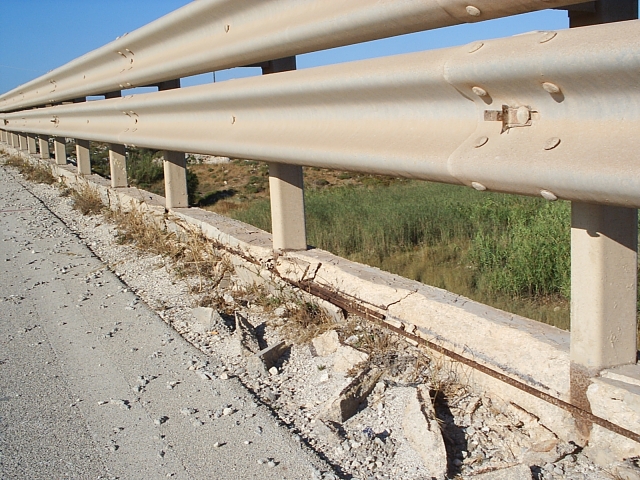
x: 31, y: 143
x: 43, y: 142
x: 60, y: 150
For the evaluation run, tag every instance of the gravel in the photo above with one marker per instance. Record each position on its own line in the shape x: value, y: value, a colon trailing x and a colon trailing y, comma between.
x: 480, y: 435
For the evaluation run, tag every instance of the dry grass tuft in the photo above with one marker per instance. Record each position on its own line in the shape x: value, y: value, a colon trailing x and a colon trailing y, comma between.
x: 192, y: 254
x: 87, y: 200
x: 34, y: 173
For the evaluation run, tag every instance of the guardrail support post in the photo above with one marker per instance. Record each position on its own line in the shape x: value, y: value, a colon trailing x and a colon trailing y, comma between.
x: 175, y: 167
x: 175, y: 180
x: 117, y: 156
x: 60, y: 150
x: 43, y: 142
x: 118, y: 165
x: 3, y: 136
x: 23, y: 141
x: 286, y: 187
x: 604, y: 262
x: 31, y: 143
x: 15, y: 140
x: 604, y: 287
x: 83, y: 156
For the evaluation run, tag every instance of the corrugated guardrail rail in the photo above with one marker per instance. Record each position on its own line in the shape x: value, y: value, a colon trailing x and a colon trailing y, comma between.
x: 552, y: 114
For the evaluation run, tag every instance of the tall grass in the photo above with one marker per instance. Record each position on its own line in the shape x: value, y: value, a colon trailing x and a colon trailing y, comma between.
x: 504, y: 250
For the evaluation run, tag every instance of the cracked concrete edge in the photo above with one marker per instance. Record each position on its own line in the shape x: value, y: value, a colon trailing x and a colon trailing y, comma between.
x: 535, y: 353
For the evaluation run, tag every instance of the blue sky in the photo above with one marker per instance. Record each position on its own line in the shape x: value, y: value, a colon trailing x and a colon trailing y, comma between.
x: 39, y: 35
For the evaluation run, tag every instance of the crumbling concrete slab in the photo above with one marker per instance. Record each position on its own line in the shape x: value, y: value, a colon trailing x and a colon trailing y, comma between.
x: 345, y: 404
x: 205, y: 320
x: 420, y: 428
x: 326, y: 344
x: 345, y: 358
x: 245, y: 340
x: 266, y: 358
x: 619, y: 403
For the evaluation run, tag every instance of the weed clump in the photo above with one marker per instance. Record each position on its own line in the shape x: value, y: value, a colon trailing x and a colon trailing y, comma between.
x: 192, y: 254
x: 87, y: 200
x: 34, y: 173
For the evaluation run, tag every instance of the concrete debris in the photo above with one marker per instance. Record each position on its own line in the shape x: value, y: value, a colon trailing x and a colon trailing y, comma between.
x: 346, y: 403
x: 327, y: 343
x: 245, y: 340
x: 266, y: 358
x: 205, y: 320
x: 518, y: 472
x: 346, y: 358
x: 420, y: 427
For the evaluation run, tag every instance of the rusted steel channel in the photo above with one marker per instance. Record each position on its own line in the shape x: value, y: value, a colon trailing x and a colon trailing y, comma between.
x: 379, y: 318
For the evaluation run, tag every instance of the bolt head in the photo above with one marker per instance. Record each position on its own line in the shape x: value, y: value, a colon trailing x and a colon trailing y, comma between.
x: 481, y: 141
x: 551, y: 87
x: 476, y: 46
x: 552, y: 143
x: 478, y: 186
x: 546, y: 36
x: 547, y: 195
x: 479, y: 91
x: 473, y: 11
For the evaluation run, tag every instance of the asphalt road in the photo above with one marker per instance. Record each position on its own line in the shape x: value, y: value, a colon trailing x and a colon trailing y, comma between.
x: 93, y: 384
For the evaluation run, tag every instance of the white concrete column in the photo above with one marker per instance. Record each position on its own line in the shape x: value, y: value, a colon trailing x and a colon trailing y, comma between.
x: 604, y: 285
x: 3, y: 136
x: 43, y: 142
x: 60, y: 150
x: 31, y: 143
x: 23, y: 141
x: 118, y: 165
x: 83, y: 156
x: 286, y: 187
x: 117, y: 155
x: 15, y: 140
x: 286, y: 191
x: 175, y: 180
x: 175, y: 167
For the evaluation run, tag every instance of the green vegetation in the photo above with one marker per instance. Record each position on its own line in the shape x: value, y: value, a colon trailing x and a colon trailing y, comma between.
x: 508, y: 251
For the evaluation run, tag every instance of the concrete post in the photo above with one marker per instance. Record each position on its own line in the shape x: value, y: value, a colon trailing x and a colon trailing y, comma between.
x: 23, y: 141
x: 83, y: 156
x: 118, y: 165
x: 15, y: 140
x: 175, y: 167
x: 8, y: 138
x: 3, y: 136
x: 287, y: 207
x: 286, y: 188
x: 31, y: 143
x: 117, y: 155
x: 604, y: 262
x: 43, y: 142
x: 175, y: 180
x: 60, y: 150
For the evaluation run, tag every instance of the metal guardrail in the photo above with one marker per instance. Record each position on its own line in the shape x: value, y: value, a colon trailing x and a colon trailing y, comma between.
x: 551, y: 114
x: 210, y: 35
x: 468, y: 115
